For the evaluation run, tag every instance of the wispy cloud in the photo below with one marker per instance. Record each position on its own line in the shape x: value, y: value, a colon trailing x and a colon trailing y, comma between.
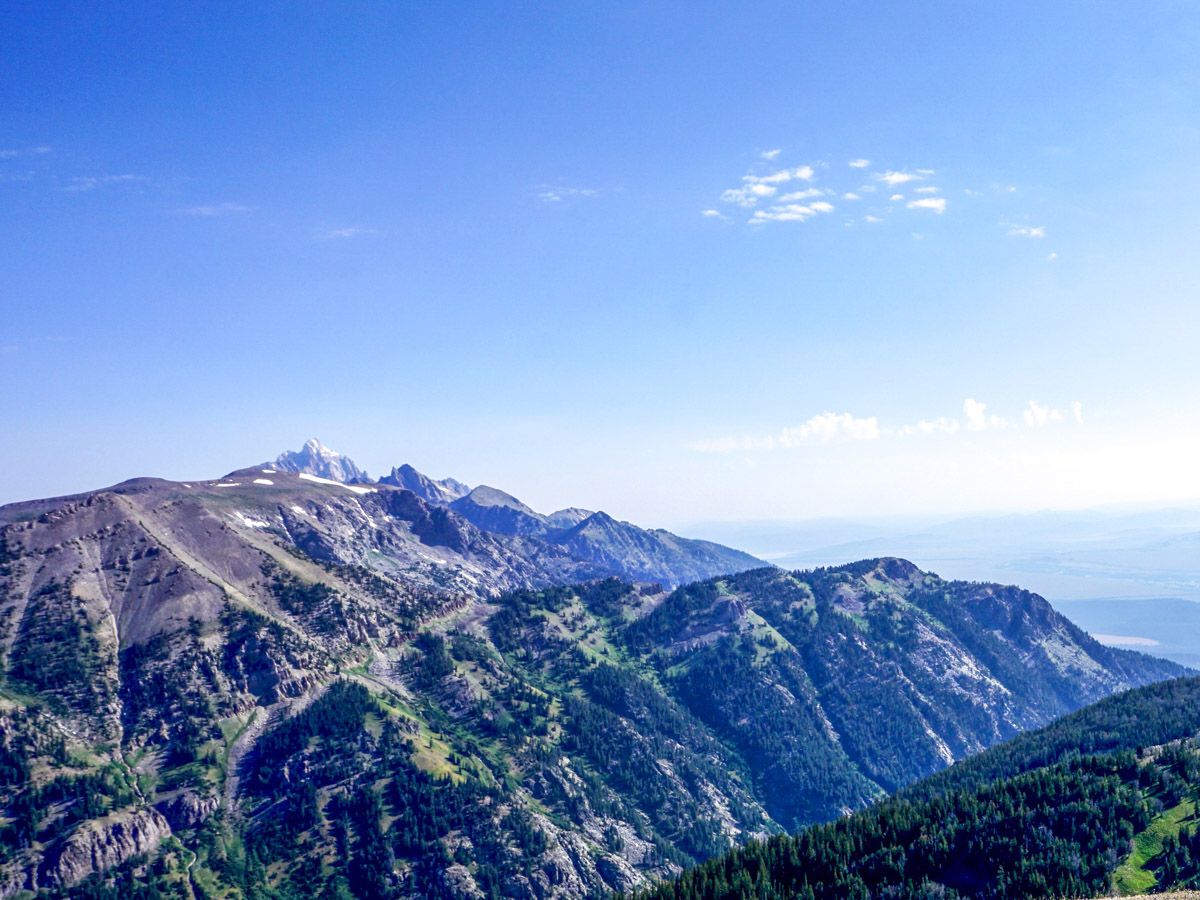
x: 551, y: 194
x: 894, y: 179
x: 790, y: 212
x: 803, y: 173
x: 806, y: 194
x: 711, y: 214
x: 825, y: 428
x: 976, y: 416
x: 774, y: 193
x: 830, y: 427
x: 210, y: 210
x: 748, y: 195
x: 759, y: 187
x: 18, y: 152
x: 935, y: 204
x: 92, y: 182
x: 1038, y: 416
x: 346, y: 232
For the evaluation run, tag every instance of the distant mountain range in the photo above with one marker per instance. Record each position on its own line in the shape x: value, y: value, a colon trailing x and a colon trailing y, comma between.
x: 286, y: 684
x: 597, y: 544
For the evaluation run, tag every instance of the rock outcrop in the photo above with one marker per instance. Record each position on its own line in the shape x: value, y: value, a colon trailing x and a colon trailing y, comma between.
x: 99, y: 844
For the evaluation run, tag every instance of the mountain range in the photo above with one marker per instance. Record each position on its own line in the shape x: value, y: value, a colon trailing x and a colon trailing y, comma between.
x: 294, y: 681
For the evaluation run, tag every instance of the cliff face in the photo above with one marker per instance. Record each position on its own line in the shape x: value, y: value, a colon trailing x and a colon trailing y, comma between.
x: 99, y: 845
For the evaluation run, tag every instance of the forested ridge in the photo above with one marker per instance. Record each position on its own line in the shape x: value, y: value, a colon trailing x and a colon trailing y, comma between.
x: 1106, y: 796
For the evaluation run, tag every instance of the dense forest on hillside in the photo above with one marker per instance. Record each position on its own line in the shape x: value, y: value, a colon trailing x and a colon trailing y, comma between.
x: 1107, y: 796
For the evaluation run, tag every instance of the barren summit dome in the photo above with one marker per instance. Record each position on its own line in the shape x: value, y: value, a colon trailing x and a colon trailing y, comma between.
x: 317, y: 459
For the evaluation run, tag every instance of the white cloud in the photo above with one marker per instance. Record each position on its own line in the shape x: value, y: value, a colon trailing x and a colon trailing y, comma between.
x: 748, y: 195
x: 937, y: 204
x: 828, y: 427
x: 711, y: 214
x: 90, y: 183
x: 859, y: 163
x: 940, y: 425
x: 758, y: 187
x: 793, y: 212
x: 801, y: 195
x: 850, y: 195
x: 892, y: 179
x: 928, y: 189
x: 770, y: 154
x: 1037, y: 415
x: 346, y: 232
x: 215, y: 209
x: 1028, y: 231
x: 732, y: 444
x: 896, y: 198
x: 803, y: 173
x: 15, y: 152
x: 977, y: 419
x: 790, y: 212
x: 557, y: 194
x: 872, y: 219
x: 1051, y: 257
x: 926, y: 172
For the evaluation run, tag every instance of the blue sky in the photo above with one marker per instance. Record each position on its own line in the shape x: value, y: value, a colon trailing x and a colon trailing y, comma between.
x: 609, y: 255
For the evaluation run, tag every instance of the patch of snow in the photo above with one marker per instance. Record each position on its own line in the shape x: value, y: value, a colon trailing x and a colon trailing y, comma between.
x: 299, y: 511
x: 186, y: 485
x: 228, y: 484
x: 263, y: 481
x: 268, y: 471
x: 249, y: 521
x: 353, y: 488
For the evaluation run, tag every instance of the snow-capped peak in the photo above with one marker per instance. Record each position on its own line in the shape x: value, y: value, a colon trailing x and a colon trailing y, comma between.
x: 314, y: 458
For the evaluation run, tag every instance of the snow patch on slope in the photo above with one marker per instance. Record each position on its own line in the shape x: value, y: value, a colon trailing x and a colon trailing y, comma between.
x: 353, y: 488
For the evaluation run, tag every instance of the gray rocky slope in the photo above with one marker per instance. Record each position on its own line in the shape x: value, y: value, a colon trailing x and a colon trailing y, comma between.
x: 180, y: 660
